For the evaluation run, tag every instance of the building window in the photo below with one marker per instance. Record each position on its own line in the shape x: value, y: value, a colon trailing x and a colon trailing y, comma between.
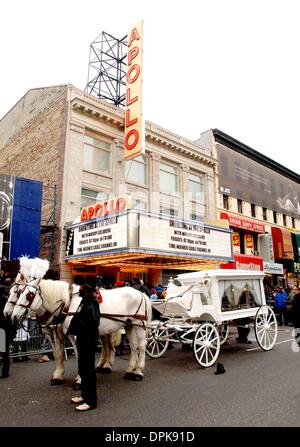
x: 240, y: 206
x: 168, y: 211
x: 138, y: 204
x: 197, y: 212
x: 168, y: 178
x: 96, y: 155
x: 264, y: 210
x: 225, y: 202
x: 274, y: 217
x: 293, y: 222
x: 136, y: 170
x: 196, y: 195
x: 253, y: 210
x: 284, y: 219
x: 196, y: 188
x: 89, y: 197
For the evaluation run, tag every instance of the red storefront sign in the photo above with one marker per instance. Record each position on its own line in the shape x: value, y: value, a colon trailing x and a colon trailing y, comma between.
x: 282, y: 243
x: 245, y: 262
x: 249, y: 240
x: 245, y: 224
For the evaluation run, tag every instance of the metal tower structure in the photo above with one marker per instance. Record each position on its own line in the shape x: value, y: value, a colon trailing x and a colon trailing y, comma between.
x: 107, y: 69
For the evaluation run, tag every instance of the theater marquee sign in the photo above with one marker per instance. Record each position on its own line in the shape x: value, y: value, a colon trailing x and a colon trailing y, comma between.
x: 145, y: 234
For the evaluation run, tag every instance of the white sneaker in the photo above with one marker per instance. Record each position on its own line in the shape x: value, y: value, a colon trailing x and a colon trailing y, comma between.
x: 84, y: 407
x: 77, y: 400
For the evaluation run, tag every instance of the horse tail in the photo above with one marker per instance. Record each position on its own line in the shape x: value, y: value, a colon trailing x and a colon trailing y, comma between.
x: 117, y: 337
x: 148, y: 310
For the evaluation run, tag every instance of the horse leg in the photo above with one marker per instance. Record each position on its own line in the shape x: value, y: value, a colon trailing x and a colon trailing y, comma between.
x: 142, y: 343
x: 77, y: 380
x: 104, y: 366
x: 58, y: 345
x: 131, y: 335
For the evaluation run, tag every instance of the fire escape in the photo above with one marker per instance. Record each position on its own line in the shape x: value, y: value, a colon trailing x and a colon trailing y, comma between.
x: 48, y: 224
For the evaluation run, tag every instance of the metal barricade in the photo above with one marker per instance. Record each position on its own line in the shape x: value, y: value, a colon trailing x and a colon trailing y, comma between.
x: 31, y: 340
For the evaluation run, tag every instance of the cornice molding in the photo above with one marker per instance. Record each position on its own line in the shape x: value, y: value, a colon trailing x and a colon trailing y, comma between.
x: 153, y: 133
x: 99, y: 112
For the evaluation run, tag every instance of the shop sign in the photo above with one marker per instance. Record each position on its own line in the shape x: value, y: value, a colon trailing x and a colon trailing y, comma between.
x: 245, y: 262
x: 105, y: 208
x: 224, y: 190
x: 266, y: 247
x: 236, y: 242
x: 282, y: 242
x: 134, y: 139
x: 176, y: 236
x: 296, y: 267
x: 245, y: 224
x: 249, y: 240
x: 273, y: 268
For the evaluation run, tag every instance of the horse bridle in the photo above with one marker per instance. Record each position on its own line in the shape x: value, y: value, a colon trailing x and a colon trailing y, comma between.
x: 19, y: 291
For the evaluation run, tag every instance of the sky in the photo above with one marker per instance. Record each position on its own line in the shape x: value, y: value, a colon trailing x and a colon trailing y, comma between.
x: 227, y: 64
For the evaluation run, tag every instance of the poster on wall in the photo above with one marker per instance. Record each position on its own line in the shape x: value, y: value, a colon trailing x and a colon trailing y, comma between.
x: 6, y: 206
x: 254, y: 183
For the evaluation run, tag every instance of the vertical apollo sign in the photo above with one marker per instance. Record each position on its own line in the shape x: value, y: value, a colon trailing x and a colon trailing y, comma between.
x: 134, y: 122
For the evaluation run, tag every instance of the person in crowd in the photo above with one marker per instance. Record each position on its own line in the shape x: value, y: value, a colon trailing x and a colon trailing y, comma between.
x: 120, y: 284
x: 6, y: 325
x: 153, y: 294
x: 159, y: 291
x: 138, y: 284
x: 85, y: 325
x: 280, y: 306
x: 243, y: 330
x: 295, y: 314
x: 20, y: 343
x: 289, y: 304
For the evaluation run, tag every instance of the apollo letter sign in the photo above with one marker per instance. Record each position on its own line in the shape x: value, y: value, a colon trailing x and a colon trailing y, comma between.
x: 134, y: 123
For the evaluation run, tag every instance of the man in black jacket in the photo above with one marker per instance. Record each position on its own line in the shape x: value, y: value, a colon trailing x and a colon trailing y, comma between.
x: 85, y: 325
x: 6, y: 324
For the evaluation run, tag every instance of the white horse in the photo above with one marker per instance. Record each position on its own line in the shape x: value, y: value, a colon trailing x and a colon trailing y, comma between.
x: 123, y: 307
x: 109, y: 342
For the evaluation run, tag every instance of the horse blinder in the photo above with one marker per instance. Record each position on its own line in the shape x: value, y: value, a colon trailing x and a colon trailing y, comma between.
x: 30, y: 297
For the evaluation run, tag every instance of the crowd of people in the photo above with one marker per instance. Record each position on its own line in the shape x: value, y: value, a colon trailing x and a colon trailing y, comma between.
x: 153, y: 292
x: 284, y: 301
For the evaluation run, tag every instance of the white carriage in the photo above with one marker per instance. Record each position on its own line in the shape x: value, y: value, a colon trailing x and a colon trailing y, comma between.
x: 200, y: 306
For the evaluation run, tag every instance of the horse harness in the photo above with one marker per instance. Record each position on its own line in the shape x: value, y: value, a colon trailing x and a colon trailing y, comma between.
x: 137, y: 316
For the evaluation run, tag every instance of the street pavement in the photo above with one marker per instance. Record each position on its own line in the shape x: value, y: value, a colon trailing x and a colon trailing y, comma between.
x: 258, y: 389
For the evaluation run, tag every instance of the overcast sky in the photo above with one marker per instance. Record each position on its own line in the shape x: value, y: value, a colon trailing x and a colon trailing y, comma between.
x: 230, y: 64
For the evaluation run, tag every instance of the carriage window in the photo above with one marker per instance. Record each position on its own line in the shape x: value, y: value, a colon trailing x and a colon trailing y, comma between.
x: 247, y: 297
x: 240, y: 294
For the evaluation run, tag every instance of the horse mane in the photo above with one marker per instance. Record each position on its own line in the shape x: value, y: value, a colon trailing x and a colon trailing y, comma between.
x: 53, y: 291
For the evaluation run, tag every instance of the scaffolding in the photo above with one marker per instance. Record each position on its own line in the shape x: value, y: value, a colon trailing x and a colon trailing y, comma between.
x: 107, y: 69
x: 48, y: 223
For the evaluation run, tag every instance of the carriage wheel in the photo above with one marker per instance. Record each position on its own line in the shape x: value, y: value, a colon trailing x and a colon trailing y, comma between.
x: 206, y: 344
x: 265, y: 328
x: 223, y: 330
x: 157, y: 340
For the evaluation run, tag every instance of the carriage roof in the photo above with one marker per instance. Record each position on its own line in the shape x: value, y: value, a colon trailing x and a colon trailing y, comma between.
x: 219, y: 274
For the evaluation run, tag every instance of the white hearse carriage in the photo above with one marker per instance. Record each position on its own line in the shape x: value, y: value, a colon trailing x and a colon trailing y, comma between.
x: 199, y: 307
